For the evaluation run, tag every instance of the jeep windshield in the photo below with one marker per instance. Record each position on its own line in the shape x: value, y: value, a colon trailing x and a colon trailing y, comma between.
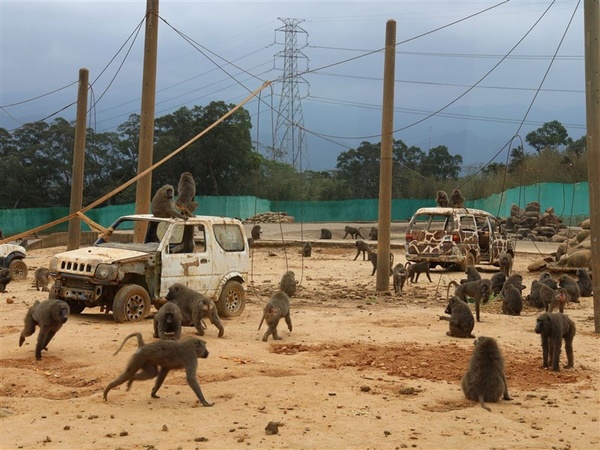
x: 154, y: 232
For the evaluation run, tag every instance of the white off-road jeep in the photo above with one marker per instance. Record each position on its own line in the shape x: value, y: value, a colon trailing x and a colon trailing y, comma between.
x: 208, y: 254
x: 11, y: 257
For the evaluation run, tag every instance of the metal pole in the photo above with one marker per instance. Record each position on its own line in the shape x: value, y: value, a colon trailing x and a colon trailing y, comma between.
x: 146, y: 145
x: 385, y: 170
x: 591, y: 13
x: 74, y: 230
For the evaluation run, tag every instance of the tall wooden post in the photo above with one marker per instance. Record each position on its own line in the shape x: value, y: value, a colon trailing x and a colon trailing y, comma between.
x: 74, y: 230
x: 385, y: 170
x: 146, y: 145
x: 591, y: 22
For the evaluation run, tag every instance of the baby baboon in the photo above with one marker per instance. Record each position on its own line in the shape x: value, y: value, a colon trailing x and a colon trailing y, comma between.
x: 353, y: 232
x: 584, y: 282
x: 512, y: 301
x: 5, y: 278
x: 546, y: 278
x: 373, y: 234
x: 461, y: 321
x: 565, y: 281
x: 485, y: 380
x: 413, y: 270
x: 186, y: 191
x: 472, y: 275
x: 307, y: 250
x: 256, y: 232
x: 505, y: 260
x: 457, y: 200
x: 42, y: 279
x: 325, y: 233
x: 560, y: 299
x: 554, y: 327
x: 167, y: 355
x: 442, y: 199
x: 163, y: 204
x: 49, y: 315
x: 497, y: 281
x: 277, y: 307
x: 362, y: 246
x: 373, y: 259
x: 194, y: 306
x: 478, y: 290
x: 167, y: 322
x: 398, y: 277
x: 288, y: 283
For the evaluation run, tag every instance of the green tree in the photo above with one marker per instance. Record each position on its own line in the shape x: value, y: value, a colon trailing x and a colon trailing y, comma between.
x: 439, y: 164
x: 551, y: 135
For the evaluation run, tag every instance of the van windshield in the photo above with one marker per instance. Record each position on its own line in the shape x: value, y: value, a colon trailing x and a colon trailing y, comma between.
x: 431, y: 222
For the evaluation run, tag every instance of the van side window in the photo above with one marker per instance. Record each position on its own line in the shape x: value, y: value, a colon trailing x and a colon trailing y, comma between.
x: 467, y: 223
x: 229, y: 237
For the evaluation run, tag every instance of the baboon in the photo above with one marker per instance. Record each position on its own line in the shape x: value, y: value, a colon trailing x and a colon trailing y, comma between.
x: 167, y: 322
x: 560, y: 299
x: 42, y: 279
x: 145, y: 362
x: 288, y: 283
x: 307, y: 250
x: 186, y: 191
x: 516, y: 280
x: 5, y: 278
x: 325, y: 233
x: 373, y: 259
x: 277, y: 307
x: 362, y: 246
x: 163, y: 204
x: 457, y: 200
x: 49, y: 315
x: 202, y: 308
x: 472, y: 275
x: 374, y: 233
x: 546, y: 278
x: 413, y: 270
x: 353, y: 232
x: 478, y: 290
x: 461, y: 321
x: 442, y: 199
x: 485, y: 380
x: 512, y: 301
x: 256, y: 232
x: 398, y: 277
x: 554, y: 327
x: 541, y: 295
x: 584, y: 282
x: 565, y: 281
x: 497, y: 281
x: 23, y: 243
x: 505, y: 260
x: 194, y: 305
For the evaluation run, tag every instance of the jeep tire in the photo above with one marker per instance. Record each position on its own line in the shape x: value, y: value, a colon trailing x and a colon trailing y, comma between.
x: 18, y: 269
x: 131, y: 304
x: 232, y: 300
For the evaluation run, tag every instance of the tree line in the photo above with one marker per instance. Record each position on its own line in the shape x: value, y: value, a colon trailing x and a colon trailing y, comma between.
x: 36, y: 162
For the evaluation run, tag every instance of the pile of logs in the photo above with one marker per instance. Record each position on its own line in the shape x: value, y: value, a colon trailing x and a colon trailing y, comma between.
x: 270, y: 217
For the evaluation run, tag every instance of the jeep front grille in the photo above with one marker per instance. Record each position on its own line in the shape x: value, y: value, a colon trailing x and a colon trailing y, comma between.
x: 77, y: 268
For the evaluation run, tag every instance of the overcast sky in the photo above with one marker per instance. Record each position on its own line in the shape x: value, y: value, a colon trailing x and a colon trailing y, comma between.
x: 480, y: 71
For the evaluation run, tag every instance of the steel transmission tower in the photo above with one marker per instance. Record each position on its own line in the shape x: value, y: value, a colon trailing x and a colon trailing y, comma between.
x: 290, y: 140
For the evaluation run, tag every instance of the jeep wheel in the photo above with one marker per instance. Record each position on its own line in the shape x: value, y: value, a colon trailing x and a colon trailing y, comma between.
x: 232, y: 300
x: 18, y: 269
x: 131, y: 304
x: 469, y: 261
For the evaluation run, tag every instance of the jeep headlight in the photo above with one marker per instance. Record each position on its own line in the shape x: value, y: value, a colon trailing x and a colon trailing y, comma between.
x: 53, y: 265
x: 106, y: 272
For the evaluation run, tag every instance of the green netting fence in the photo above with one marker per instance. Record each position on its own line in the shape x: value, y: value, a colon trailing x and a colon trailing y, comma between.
x: 570, y: 202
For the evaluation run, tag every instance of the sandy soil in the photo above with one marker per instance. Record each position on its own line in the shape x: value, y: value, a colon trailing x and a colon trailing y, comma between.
x: 359, y: 370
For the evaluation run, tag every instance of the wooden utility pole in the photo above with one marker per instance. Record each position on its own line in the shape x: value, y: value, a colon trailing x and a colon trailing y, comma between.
x: 146, y: 145
x: 74, y: 230
x: 385, y: 170
x: 591, y: 22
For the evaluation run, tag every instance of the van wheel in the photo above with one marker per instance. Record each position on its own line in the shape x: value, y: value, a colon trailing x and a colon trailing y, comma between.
x: 18, y: 269
x: 469, y: 261
x: 232, y: 300
x: 131, y: 304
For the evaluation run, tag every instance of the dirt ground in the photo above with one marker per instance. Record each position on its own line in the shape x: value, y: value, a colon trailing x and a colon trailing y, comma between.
x: 359, y: 370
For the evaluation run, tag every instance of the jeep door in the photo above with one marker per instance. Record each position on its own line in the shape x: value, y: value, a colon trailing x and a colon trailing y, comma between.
x: 185, y: 258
